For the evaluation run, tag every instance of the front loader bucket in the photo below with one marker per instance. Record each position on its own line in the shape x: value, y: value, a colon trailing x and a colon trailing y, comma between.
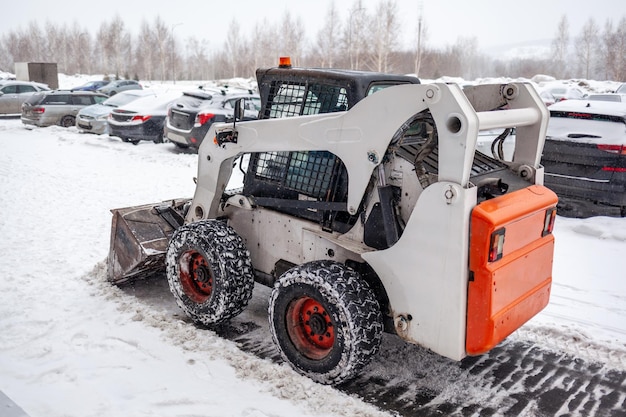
x: 139, y: 238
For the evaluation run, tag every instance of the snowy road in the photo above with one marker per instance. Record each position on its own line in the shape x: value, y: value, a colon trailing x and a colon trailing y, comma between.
x: 518, y: 378
x: 72, y: 345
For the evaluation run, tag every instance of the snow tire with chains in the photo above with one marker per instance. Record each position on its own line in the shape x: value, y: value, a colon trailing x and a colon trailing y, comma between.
x: 209, y: 271
x: 325, y: 321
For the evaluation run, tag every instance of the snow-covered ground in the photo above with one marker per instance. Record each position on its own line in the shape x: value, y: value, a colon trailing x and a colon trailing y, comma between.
x: 73, y: 345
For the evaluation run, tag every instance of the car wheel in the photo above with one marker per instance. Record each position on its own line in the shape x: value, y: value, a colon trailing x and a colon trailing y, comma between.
x: 181, y: 146
x: 209, y: 271
x: 159, y: 139
x: 325, y: 321
x: 68, y: 121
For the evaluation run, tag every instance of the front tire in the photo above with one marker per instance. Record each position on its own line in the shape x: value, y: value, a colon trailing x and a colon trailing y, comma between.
x: 209, y: 271
x: 325, y: 321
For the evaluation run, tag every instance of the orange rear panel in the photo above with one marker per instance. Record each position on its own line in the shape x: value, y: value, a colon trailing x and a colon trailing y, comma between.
x: 506, y: 293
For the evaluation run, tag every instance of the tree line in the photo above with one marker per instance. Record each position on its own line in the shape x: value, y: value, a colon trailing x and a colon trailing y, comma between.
x: 363, y: 39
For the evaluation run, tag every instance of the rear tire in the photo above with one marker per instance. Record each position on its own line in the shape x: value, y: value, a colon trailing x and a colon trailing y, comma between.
x: 325, y: 321
x: 209, y: 271
x: 68, y: 121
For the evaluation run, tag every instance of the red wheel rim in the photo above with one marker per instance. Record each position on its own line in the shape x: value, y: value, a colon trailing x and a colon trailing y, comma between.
x: 310, y: 327
x: 195, y: 276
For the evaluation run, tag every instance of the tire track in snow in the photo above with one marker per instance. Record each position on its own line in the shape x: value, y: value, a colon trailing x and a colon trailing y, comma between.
x: 520, y: 377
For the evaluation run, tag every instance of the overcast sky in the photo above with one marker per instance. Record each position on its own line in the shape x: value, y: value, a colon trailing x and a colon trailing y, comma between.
x: 492, y: 22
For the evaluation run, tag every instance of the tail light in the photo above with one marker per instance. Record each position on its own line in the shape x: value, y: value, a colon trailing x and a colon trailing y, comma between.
x: 202, y: 118
x: 39, y: 110
x: 618, y: 149
x: 496, y: 245
x: 140, y: 118
x: 548, y: 223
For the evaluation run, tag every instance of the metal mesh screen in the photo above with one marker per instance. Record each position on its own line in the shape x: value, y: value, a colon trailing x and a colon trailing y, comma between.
x: 293, y: 99
x: 309, y: 173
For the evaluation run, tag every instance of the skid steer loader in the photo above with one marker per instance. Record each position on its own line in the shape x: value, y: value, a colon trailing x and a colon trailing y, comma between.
x: 364, y: 203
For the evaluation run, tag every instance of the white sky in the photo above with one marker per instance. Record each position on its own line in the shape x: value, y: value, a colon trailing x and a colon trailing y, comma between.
x: 492, y: 22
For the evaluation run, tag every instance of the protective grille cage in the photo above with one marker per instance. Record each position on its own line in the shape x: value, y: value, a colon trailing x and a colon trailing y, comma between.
x: 293, y: 99
x: 309, y: 173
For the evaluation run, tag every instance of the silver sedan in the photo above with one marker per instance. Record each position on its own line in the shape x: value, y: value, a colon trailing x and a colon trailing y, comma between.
x: 14, y: 93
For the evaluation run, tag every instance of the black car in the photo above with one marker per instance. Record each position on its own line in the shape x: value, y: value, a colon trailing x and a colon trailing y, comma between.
x: 142, y: 119
x: 190, y: 117
x: 585, y: 157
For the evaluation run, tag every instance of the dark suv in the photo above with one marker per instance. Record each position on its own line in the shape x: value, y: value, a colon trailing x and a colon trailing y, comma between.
x: 58, y: 107
x: 190, y: 117
x: 585, y: 157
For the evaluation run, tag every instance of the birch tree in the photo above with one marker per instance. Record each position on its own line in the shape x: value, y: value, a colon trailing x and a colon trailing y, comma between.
x: 586, y: 46
x: 560, y: 46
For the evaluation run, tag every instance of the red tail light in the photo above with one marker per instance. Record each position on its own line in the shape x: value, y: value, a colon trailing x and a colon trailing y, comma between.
x: 39, y: 110
x: 548, y: 223
x: 202, y: 118
x: 140, y: 118
x: 497, y: 245
x: 619, y: 149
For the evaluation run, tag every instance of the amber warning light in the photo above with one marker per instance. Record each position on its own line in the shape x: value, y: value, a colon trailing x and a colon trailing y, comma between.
x: 284, y: 62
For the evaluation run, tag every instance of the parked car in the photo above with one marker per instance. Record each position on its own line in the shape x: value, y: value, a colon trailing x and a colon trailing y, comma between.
x: 94, y: 119
x: 547, y: 98
x: 190, y: 117
x: 585, y: 157
x: 142, y: 119
x: 14, y: 93
x: 58, y: 107
x: 117, y: 86
x: 91, y: 85
x: 564, y: 92
x: 607, y: 97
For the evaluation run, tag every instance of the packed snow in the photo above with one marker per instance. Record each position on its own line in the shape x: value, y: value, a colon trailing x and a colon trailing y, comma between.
x: 71, y: 344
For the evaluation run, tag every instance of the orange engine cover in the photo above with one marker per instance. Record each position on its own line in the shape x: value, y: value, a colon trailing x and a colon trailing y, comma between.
x: 507, y: 292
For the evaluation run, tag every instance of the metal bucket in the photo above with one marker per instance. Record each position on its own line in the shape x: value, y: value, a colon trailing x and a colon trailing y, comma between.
x: 139, y: 238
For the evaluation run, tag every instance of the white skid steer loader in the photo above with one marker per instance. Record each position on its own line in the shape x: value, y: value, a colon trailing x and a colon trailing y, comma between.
x: 379, y: 218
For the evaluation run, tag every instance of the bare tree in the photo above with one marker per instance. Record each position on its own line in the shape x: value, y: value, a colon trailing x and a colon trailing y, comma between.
x: 197, y: 60
x: 327, y: 45
x: 356, y: 33
x: 384, y: 35
x: 586, y: 46
x: 560, y: 46
x: 291, y: 38
x: 79, y: 50
x: 146, y: 52
x: 263, y: 45
x: 619, y: 63
x: 234, y: 47
x: 161, y: 37
x: 606, y: 49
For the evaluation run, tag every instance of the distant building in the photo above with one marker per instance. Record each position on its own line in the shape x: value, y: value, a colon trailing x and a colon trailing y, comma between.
x: 41, y: 72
